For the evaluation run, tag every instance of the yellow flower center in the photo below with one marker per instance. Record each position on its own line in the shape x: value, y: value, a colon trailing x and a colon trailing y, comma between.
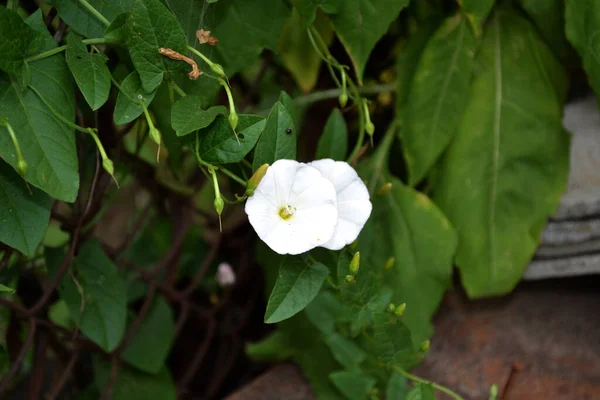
x: 287, y: 212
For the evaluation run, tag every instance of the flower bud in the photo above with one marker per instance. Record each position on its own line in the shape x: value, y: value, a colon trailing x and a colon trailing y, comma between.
x: 370, y: 128
x: 389, y: 264
x: 108, y: 166
x: 343, y: 99
x: 22, y: 167
x: 391, y: 307
x: 425, y: 346
x: 233, y: 119
x: 255, y: 179
x: 355, y: 263
x: 349, y: 279
x: 493, y: 392
x: 155, y: 134
x: 225, y: 275
x: 219, y: 204
x: 384, y: 189
x: 399, y: 311
x: 217, y: 69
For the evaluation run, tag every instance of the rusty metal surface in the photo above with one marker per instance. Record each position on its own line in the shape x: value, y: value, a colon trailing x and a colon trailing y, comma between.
x: 284, y: 381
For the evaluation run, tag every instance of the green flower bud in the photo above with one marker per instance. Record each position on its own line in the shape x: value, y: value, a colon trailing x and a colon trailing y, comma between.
x: 355, y: 263
x: 219, y: 205
x: 349, y: 279
x: 233, y: 120
x: 493, y: 392
x: 425, y: 346
x: 370, y: 128
x: 155, y: 134
x: 108, y: 166
x: 399, y: 311
x: 255, y: 179
x: 217, y: 69
x: 389, y: 264
x: 343, y: 99
x: 391, y: 307
x: 384, y: 189
x: 22, y: 167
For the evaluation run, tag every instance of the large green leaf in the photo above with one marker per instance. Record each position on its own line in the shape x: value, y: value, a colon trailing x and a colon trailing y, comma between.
x: 508, y: 164
x: 392, y: 342
x: 129, y: 100
x: 582, y: 18
x: 361, y: 23
x: 151, y: 26
x: 150, y: 346
x: 421, y: 391
x: 24, y: 213
x: 397, y: 387
x: 296, y: 286
x: 82, y: 21
x: 278, y: 141
x: 187, y: 115
x: 407, y: 226
x: 244, y: 28
x: 135, y: 385
x: 90, y: 72
x: 333, y: 142
x: 354, y: 385
x: 549, y: 16
x: 308, y: 8
x: 345, y: 351
x: 438, y: 96
x: 15, y: 40
x: 101, y: 313
x: 477, y: 12
x: 218, y: 144
x: 47, y: 144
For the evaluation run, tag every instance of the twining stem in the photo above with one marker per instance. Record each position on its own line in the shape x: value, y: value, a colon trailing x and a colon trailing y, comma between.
x: 233, y: 176
x: 335, y: 92
x: 63, y: 48
x: 57, y: 114
x: 213, y: 167
x: 381, y: 154
x: 202, y: 56
x: 13, y: 137
x: 360, y: 139
x: 95, y: 12
x: 176, y: 87
x: 415, y: 378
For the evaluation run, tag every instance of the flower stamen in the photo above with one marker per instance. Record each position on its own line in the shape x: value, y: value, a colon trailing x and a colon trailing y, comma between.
x: 287, y: 212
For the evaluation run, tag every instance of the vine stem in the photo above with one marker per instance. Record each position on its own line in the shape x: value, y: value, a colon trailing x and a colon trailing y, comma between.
x: 95, y: 12
x: 63, y: 48
x: 415, y: 378
x: 199, y: 54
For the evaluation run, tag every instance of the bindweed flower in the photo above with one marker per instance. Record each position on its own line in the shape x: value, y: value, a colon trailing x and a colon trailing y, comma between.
x: 225, y: 275
x: 294, y: 208
x: 354, y: 206
x: 297, y: 206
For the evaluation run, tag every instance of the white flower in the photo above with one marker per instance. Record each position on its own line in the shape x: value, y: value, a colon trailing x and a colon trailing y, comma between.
x: 294, y: 208
x: 225, y: 275
x: 354, y: 206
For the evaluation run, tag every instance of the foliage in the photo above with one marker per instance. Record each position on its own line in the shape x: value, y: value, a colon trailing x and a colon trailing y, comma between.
x: 94, y: 92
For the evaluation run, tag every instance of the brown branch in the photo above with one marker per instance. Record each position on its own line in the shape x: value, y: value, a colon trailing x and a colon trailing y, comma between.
x: 17, y: 364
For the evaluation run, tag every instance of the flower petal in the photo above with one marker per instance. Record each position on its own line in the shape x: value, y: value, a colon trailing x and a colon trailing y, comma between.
x: 354, y: 206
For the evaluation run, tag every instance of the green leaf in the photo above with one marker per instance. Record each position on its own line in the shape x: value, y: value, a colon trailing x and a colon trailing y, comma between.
x: 288, y: 104
x: 345, y: 351
x: 6, y: 289
x: 353, y: 385
x: 547, y: 16
x: 218, y: 144
x: 507, y: 167
x: 361, y: 23
x: 275, y: 347
x: 24, y: 212
x: 82, y: 21
x: 59, y: 314
x: 90, y: 72
x: 421, y: 391
x: 438, y: 96
x: 101, y: 315
x: 582, y: 18
x: 297, y: 53
x: 188, y: 116
x: 161, y: 109
x: 397, y: 387
x: 118, y: 28
x: 276, y: 143
x: 16, y: 37
x: 135, y: 385
x: 308, y: 8
x: 407, y: 64
x: 47, y: 144
x: 128, y: 105
x: 477, y: 12
x: 317, y: 364
x: 406, y: 225
x: 151, y: 26
x: 149, y: 348
x: 392, y: 342
x: 296, y: 286
x: 333, y: 142
x: 325, y: 311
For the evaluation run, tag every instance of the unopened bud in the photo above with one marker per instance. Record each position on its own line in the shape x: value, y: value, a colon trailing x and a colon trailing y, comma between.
x: 355, y: 263
x: 349, y: 279
x: 370, y: 128
x: 219, y: 205
x: 391, y: 307
x: 225, y: 275
x: 389, y: 264
x: 155, y: 135
x: 108, y: 166
x: 425, y: 346
x: 217, y: 69
x: 384, y: 189
x: 255, y: 179
x: 343, y: 99
x: 399, y: 311
x: 22, y: 167
x: 493, y: 392
x: 233, y: 120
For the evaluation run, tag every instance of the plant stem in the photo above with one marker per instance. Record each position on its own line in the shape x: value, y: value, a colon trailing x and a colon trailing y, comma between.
x: 233, y: 176
x: 63, y: 48
x: 415, y: 378
x: 213, y: 168
x: 57, y: 115
x: 176, y: 87
x: 202, y: 56
x: 380, y: 156
x: 360, y: 139
x: 335, y: 92
x: 95, y: 12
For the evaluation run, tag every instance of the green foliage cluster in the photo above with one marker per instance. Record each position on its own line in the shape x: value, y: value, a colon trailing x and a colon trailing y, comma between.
x: 479, y: 92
